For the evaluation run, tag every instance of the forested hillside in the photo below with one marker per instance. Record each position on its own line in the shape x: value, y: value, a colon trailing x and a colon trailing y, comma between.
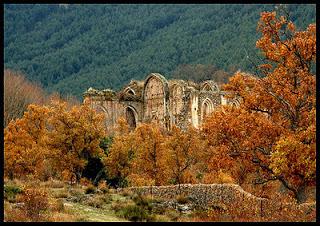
x: 70, y: 48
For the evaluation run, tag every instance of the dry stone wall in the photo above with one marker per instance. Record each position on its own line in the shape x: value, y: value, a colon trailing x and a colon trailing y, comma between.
x: 207, y: 195
x: 201, y: 194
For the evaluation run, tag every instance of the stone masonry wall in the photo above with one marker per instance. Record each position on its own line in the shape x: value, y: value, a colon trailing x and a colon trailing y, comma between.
x: 206, y: 195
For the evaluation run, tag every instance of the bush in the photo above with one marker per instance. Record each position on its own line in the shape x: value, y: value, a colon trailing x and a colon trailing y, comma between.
x: 35, y: 203
x: 173, y: 215
x: 106, y: 198
x: 98, y: 201
x: 10, y: 192
x: 76, y: 195
x: 117, y: 206
x: 95, y: 202
x: 102, y: 186
x: 182, y: 199
x: 143, y: 201
x: 91, y: 189
x: 126, y: 193
x: 15, y: 215
x: 55, y: 184
x: 85, y: 182
x: 57, y: 206
x: 60, y: 194
x: 135, y: 213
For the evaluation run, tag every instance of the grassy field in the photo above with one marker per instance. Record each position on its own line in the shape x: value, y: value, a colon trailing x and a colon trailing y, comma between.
x: 76, y: 203
x: 61, y: 202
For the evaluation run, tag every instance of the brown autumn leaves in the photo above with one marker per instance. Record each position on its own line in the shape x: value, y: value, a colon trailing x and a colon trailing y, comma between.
x: 271, y: 135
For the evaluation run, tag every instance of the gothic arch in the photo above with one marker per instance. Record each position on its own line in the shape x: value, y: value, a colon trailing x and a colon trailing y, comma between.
x: 155, y: 95
x: 101, y: 109
x: 131, y: 116
x: 235, y: 103
x: 210, y: 86
x: 176, y: 99
x: 129, y: 90
x: 206, y: 108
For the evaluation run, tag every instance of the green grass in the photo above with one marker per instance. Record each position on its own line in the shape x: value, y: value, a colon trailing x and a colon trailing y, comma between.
x: 92, y: 214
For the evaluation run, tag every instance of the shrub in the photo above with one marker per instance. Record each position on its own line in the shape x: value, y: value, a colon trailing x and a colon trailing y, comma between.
x: 76, y: 195
x: 126, y: 193
x: 173, y: 215
x: 96, y: 202
x: 218, y: 177
x: 117, y: 206
x: 55, y: 184
x: 143, y: 201
x: 35, y: 203
x: 15, y: 215
x: 57, y: 205
x: 10, y: 192
x: 182, y: 199
x: 85, y: 182
x: 60, y: 194
x: 102, y: 186
x: 90, y: 189
x: 135, y: 213
x: 106, y: 198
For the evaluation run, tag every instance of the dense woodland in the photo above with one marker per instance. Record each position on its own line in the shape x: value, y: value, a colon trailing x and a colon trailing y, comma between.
x: 70, y: 48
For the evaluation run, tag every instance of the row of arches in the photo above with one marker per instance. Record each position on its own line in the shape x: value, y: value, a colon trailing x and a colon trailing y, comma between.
x: 156, y: 103
x: 160, y: 100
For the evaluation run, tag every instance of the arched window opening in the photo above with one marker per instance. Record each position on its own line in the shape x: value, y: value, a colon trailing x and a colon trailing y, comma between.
x: 207, y: 87
x: 131, y: 118
x: 207, y: 108
x: 154, y: 99
x: 131, y: 92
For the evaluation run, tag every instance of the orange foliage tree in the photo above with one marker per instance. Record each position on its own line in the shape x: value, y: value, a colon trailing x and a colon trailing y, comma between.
x: 75, y: 135
x: 52, y: 138
x: 25, y: 143
x: 121, y: 153
x: 149, y: 158
x: 184, y: 150
x: 273, y: 131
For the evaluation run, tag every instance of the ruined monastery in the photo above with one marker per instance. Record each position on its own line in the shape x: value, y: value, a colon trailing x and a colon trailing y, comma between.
x: 156, y: 99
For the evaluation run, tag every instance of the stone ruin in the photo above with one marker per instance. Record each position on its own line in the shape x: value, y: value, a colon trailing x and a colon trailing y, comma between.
x: 156, y: 99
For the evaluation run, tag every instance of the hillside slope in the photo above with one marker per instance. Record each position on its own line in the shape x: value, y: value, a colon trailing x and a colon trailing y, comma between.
x: 68, y: 49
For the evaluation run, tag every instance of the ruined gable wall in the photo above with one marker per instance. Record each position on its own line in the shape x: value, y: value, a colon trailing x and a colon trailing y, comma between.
x: 173, y: 102
x: 156, y: 100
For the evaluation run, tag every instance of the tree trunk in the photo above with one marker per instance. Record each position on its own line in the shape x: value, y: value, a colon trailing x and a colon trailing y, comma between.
x: 98, y: 176
x: 301, y: 195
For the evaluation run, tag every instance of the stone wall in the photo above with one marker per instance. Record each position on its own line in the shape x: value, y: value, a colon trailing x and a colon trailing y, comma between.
x: 202, y: 194
x: 156, y: 99
x: 206, y: 195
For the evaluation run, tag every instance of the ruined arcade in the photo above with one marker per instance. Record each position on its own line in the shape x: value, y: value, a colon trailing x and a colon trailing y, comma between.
x: 156, y: 99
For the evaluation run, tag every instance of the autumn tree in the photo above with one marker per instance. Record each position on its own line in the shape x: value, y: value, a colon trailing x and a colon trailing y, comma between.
x: 121, y: 153
x: 18, y: 94
x: 184, y: 149
x: 52, y: 138
x: 25, y: 150
x: 75, y: 136
x: 273, y: 131
x: 149, y: 154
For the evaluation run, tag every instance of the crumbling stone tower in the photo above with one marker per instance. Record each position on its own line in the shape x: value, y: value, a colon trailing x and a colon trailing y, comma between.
x: 156, y: 99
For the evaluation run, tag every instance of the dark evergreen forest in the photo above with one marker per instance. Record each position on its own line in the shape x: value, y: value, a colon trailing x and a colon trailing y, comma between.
x: 69, y: 48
